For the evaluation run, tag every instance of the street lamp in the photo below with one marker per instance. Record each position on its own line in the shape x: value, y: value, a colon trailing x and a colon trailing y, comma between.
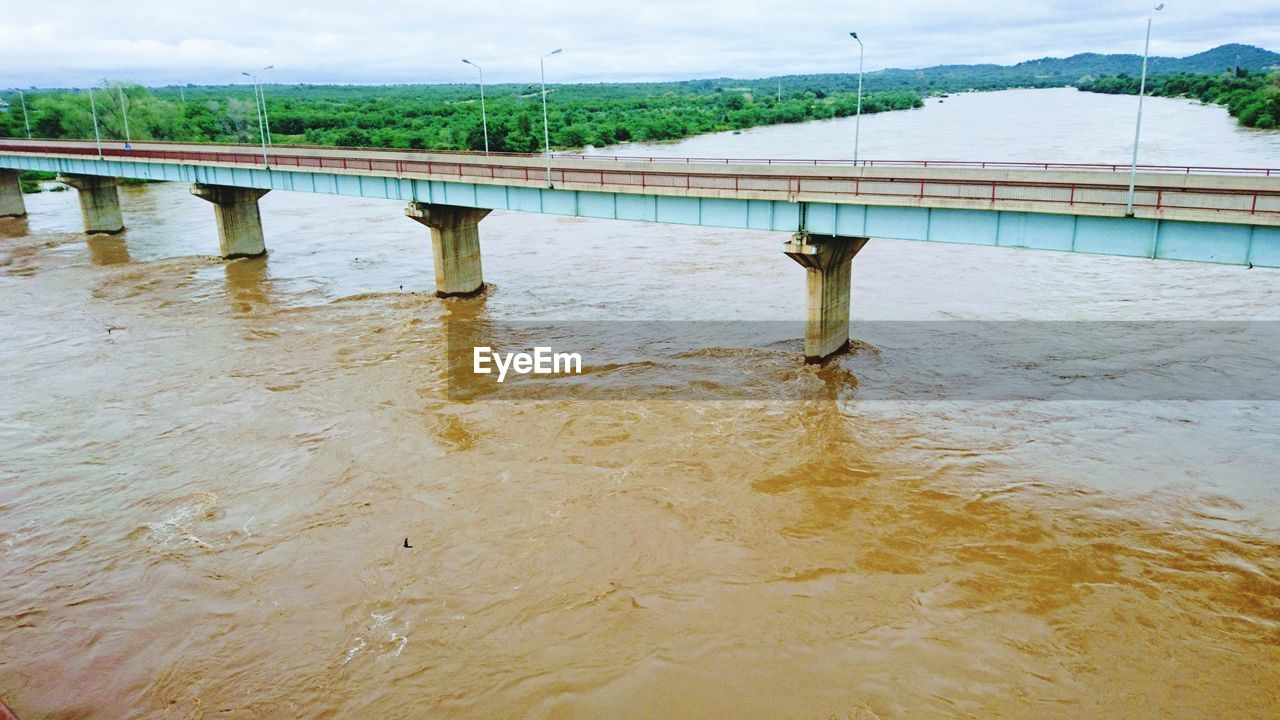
x: 262, y: 133
x: 97, y: 136
x: 262, y: 96
x: 484, y: 120
x: 857, y: 122
x: 1137, y: 131
x: 546, y: 132
x: 124, y: 112
x: 25, y: 120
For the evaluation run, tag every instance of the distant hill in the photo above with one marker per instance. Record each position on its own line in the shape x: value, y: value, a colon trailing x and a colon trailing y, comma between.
x: 1044, y: 72
x: 1226, y: 56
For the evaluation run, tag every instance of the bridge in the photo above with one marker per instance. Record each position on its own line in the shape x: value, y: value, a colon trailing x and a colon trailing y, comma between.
x: 829, y: 207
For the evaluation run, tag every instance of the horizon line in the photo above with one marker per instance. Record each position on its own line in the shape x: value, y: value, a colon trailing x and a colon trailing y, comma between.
x: 391, y: 83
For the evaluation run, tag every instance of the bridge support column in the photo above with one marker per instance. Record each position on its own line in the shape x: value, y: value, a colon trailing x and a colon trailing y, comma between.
x: 11, y: 194
x: 455, y: 246
x: 239, y: 222
x: 827, y: 261
x: 99, y: 202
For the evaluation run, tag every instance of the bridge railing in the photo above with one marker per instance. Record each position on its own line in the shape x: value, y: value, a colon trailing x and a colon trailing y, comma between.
x: 473, y: 156
x: 1104, y: 192
x: 946, y: 164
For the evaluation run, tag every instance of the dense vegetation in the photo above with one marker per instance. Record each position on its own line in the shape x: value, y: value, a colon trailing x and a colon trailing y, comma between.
x: 1253, y: 99
x: 30, y: 180
x: 444, y: 117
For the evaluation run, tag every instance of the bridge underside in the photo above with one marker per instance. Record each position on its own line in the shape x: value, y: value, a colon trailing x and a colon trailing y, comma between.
x: 1213, y: 242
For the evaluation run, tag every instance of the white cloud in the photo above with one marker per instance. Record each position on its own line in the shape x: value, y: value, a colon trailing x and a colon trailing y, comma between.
x: 77, y: 42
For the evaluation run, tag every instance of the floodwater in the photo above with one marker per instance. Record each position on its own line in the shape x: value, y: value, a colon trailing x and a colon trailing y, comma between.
x: 208, y: 470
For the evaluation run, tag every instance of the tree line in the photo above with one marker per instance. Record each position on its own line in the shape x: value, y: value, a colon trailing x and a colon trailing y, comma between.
x: 438, y: 117
x: 1252, y: 98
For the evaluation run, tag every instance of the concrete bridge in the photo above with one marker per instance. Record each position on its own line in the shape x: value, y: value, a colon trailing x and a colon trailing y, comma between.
x: 829, y: 208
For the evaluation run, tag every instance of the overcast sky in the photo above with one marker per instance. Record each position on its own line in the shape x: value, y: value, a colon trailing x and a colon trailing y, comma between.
x: 79, y: 42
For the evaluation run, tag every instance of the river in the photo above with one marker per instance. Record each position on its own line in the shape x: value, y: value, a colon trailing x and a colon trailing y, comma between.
x: 208, y: 470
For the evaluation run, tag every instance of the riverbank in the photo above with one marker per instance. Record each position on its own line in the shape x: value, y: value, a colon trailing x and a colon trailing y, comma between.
x: 1252, y: 98
x: 1174, y: 132
x: 34, y: 181
x: 447, y: 118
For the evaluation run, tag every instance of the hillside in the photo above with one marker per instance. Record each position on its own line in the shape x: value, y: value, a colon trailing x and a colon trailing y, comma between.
x: 1042, y: 72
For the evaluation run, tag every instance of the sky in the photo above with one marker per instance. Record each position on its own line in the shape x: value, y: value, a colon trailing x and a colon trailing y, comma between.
x: 76, y: 43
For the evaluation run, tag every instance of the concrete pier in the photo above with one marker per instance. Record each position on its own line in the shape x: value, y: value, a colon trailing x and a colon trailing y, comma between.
x: 11, y: 204
x: 827, y: 260
x: 455, y: 245
x: 99, y: 202
x: 239, y: 222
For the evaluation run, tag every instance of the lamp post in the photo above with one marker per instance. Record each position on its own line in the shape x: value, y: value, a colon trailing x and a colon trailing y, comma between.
x: 25, y: 121
x: 262, y: 97
x: 546, y: 132
x: 124, y: 113
x: 484, y: 120
x: 857, y: 122
x: 97, y: 136
x: 262, y: 133
x: 1137, y: 131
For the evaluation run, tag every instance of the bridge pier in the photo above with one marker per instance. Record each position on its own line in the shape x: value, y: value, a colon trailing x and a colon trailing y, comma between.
x: 99, y: 202
x: 455, y: 246
x: 827, y: 260
x: 239, y: 222
x: 11, y: 204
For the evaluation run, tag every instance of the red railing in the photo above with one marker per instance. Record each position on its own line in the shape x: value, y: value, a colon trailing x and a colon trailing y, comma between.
x: 800, y: 162
x: 1104, y: 192
x: 945, y: 164
x: 811, y: 162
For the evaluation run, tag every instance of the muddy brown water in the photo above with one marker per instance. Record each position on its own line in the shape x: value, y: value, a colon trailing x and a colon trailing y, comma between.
x: 208, y: 468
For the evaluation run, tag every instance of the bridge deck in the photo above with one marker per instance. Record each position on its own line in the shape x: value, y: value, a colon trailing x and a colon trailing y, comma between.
x: 1205, y: 214
x: 1249, y: 195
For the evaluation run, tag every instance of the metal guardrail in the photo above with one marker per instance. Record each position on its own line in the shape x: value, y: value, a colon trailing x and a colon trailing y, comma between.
x: 1105, y: 192
x: 946, y: 164
x: 800, y: 162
